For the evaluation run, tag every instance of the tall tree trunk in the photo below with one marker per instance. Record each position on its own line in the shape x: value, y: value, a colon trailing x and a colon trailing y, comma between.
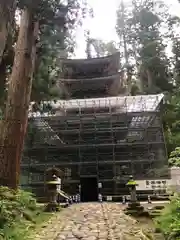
x: 2, y: 81
x: 17, y: 103
x: 140, y: 77
x: 126, y: 55
x: 28, y: 88
x: 7, y: 11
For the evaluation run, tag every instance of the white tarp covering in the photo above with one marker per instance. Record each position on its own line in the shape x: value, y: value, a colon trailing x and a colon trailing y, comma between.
x: 140, y: 103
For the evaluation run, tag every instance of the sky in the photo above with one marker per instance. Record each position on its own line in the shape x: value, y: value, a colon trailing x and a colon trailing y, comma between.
x: 102, y: 26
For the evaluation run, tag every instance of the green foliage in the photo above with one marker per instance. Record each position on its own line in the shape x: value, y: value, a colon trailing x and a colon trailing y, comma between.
x: 172, y: 121
x: 143, y: 49
x: 58, y: 21
x: 174, y: 158
x: 56, y: 40
x: 142, y: 43
x: 101, y: 48
x: 18, y: 213
x: 15, y: 206
x: 169, y: 221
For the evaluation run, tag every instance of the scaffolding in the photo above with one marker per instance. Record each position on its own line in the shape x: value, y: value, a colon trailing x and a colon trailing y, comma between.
x: 110, y: 138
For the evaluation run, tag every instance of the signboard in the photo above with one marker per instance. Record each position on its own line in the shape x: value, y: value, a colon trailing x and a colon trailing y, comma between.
x: 109, y: 198
x: 99, y: 185
x: 153, y: 184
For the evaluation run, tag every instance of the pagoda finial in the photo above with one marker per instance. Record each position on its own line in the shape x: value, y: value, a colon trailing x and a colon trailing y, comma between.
x: 88, y: 44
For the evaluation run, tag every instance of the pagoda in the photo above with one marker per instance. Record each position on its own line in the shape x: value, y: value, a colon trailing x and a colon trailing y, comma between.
x: 96, y: 136
x: 90, y: 78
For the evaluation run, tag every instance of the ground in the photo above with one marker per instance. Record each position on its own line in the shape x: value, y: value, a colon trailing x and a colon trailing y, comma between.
x: 92, y: 221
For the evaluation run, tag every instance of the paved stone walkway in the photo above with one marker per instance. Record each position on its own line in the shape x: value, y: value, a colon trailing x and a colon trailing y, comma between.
x: 92, y: 221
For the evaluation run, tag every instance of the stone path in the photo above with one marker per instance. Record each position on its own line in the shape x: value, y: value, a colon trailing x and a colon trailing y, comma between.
x: 92, y: 221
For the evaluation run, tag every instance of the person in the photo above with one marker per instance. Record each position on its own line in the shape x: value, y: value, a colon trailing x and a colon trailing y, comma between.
x: 100, y: 197
x: 58, y: 190
x: 78, y: 198
x: 67, y: 202
x: 70, y: 200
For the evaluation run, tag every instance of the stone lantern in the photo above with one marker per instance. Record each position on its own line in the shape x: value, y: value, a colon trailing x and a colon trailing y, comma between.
x: 134, y: 207
x: 53, y: 177
x: 132, y: 189
x: 53, y: 187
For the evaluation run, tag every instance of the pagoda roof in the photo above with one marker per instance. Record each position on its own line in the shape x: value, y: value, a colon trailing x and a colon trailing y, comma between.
x: 74, y: 85
x: 101, y: 60
x: 89, y: 80
x: 90, y: 68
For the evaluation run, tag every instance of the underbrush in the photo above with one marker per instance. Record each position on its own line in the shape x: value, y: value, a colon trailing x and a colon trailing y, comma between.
x: 169, y: 220
x: 19, y: 214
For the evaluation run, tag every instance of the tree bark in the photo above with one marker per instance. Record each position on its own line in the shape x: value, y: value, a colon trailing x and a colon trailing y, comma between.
x: 7, y: 11
x: 141, y: 80
x: 126, y: 55
x: 2, y: 81
x: 28, y: 88
x: 18, y: 97
x: 149, y: 79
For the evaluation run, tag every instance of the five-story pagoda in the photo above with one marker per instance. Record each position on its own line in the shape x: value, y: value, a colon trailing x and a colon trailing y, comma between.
x: 94, y: 135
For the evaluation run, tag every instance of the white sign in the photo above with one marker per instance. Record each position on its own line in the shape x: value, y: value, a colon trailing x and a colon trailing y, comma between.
x: 109, y: 198
x: 99, y: 185
x: 152, y: 184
